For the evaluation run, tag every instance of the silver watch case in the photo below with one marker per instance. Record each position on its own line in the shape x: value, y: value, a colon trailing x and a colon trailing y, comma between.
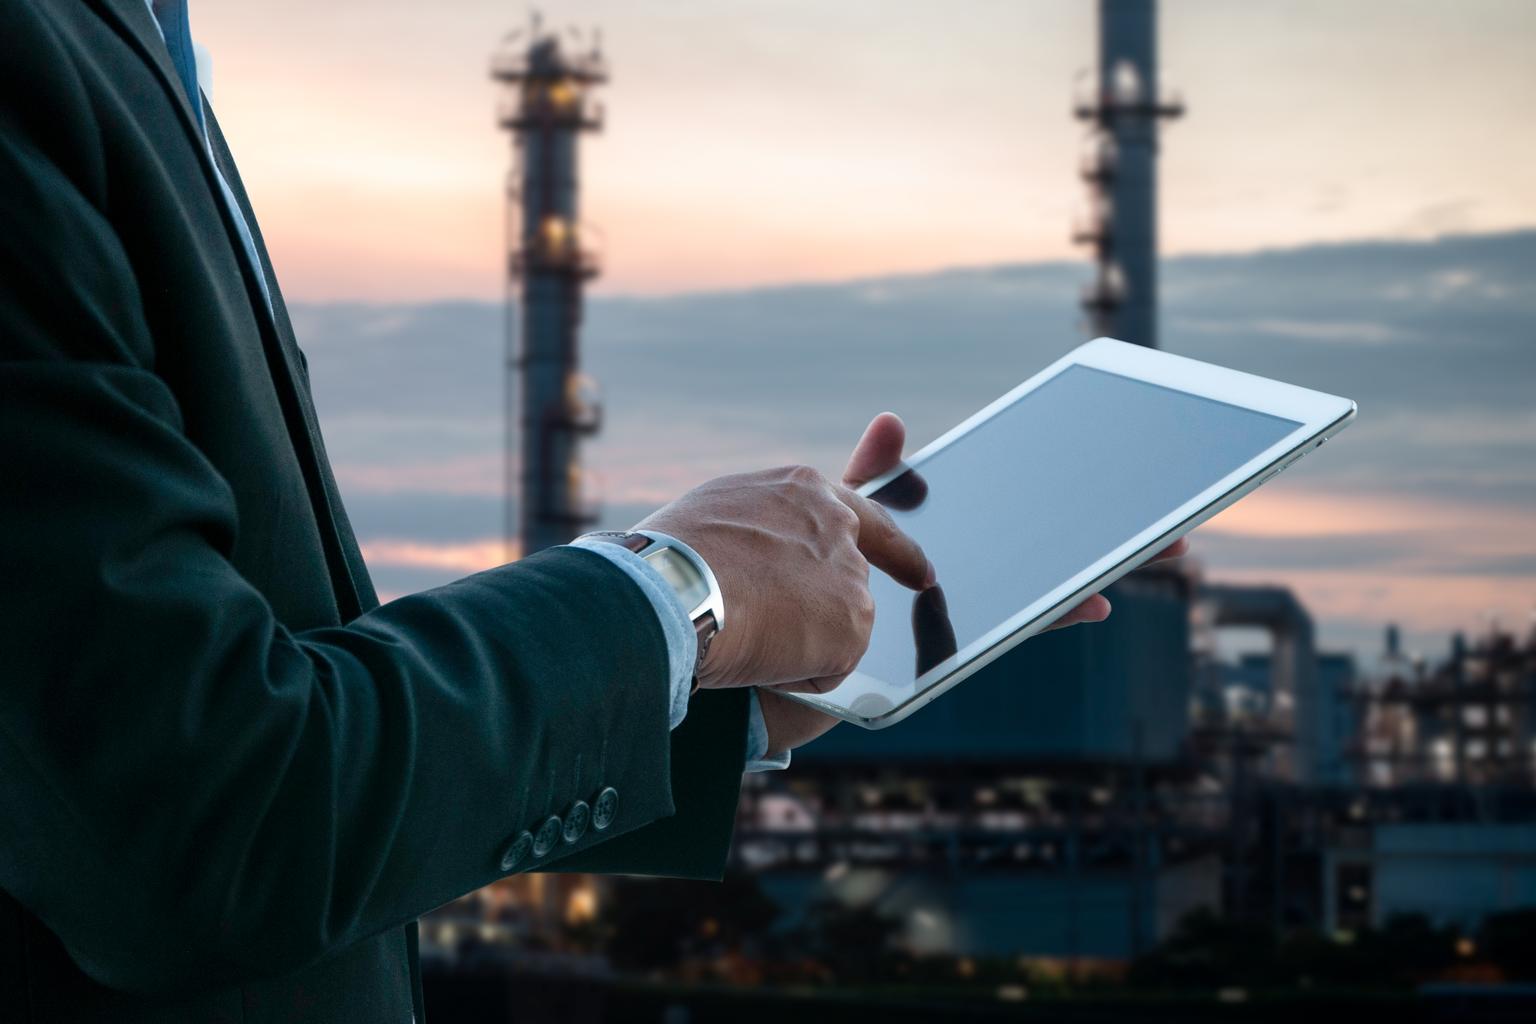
x: 715, y: 602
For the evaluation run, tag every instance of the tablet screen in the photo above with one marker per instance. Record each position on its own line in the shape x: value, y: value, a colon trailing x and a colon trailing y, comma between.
x: 1034, y: 495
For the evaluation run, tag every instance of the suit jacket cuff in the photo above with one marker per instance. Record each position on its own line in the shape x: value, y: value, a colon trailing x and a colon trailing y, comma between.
x: 676, y: 627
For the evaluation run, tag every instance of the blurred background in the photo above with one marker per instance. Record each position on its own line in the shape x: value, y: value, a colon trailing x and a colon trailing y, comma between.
x: 551, y: 271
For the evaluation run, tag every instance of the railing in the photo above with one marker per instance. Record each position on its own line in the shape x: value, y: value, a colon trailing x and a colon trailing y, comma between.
x: 1031, y: 849
x: 514, y: 66
x: 1105, y: 292
x: 570, y: 259
x: 1094, y: 103
x: 513, y: 112
x: 1090, y: 230
x: 1100, y: 161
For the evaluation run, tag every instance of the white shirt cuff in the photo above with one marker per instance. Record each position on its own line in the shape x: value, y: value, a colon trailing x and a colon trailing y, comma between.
x: 758, y: 757
x: 683, y: 650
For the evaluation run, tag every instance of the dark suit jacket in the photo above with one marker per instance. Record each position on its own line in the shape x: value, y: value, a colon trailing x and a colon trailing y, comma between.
x: 229, y: 780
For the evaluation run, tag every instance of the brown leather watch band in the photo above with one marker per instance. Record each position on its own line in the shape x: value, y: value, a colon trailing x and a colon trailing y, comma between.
x: 636, y: 542
x: 704, y: 629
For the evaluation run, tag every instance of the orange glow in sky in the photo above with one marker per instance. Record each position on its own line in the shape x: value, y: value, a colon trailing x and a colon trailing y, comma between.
x: 749, y: 144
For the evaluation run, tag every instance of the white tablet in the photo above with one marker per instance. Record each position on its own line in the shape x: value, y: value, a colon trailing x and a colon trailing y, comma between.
x: 1053, y: 492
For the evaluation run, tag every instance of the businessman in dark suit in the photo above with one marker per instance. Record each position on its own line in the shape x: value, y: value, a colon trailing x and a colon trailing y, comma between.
x: 230, y: 780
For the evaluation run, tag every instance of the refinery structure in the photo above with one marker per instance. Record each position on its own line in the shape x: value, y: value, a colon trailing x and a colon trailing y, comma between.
x: 1078, y: 797
x: 1123, y: 102
x: 1081, y: 795
x: 551, y: 405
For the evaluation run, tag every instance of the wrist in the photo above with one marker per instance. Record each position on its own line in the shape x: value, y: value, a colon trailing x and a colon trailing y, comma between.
x: 688, y: 575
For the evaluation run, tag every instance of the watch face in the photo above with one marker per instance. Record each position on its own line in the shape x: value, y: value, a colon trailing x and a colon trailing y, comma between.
x: 680, y: 573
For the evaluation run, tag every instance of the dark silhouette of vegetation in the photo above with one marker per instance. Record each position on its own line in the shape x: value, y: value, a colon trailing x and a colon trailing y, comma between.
x: 666, y: 925
x: 651, y: 924
x: 1508, y: 941
x: 856, y: 944
x: 1207, y: 951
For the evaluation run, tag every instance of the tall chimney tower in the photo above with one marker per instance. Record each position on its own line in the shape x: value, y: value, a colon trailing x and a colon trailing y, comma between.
x: 546, y: 107
x: 1122, y: 105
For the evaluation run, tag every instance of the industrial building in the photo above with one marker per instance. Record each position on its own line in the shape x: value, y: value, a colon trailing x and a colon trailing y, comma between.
x: 1079, y: 796
x: 1086, y: 791
x: 1470, y: 721
x: 1022, y: 813
x: 548, y: 80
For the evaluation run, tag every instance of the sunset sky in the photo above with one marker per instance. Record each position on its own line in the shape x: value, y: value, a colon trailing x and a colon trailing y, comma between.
x: 1421, y: 513
x: 757, y: 143
x: 763, y: 141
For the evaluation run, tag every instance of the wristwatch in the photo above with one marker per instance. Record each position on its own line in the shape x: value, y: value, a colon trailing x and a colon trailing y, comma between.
x: 686, y: 572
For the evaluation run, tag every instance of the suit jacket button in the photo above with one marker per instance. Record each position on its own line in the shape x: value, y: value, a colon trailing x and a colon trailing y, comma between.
x: 576, y: 820
x: 517, y: 851
x: 547, y: 836
x: 604, y: 808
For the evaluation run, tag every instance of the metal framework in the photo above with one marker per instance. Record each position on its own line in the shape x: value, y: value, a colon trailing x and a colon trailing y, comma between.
x: 547, y: 108
x: 1123, y: 107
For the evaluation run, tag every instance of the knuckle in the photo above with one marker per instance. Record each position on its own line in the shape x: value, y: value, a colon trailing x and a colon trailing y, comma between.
x: 882, y: 524
x: 802, y: 474
x: 846, y: 517
x: 864, y: 609
x: 850, y: 662
x: 861, y: 616
x: 853, y: 568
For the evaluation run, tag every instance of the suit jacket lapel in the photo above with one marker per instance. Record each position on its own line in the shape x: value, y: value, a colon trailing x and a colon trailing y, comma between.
x: 354, y: 591
x: 134, y: 23
x: 294, y: 376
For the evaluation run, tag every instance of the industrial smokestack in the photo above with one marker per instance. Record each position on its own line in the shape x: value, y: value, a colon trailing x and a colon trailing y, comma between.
x: 1123, y: 104
x: 550, y: 404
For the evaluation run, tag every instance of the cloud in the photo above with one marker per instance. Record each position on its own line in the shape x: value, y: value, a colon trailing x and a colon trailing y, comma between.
x: 1288, y: 530
x: 459, y: 559
x: 1436, y: 481
x: 1362, y: 331
x: 1441, y: 218
x: 1279, y: 511
x: 1324, y: 330
x: 1331, y: 198
x: 1448, y: 602
x: 475, y: 475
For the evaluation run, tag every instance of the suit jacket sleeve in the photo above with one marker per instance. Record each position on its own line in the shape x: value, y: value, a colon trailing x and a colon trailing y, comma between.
x: 191, y: 793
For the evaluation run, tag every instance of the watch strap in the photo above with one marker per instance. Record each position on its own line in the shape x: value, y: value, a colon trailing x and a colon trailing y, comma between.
x: 704, y: 627
x: 636, y: 542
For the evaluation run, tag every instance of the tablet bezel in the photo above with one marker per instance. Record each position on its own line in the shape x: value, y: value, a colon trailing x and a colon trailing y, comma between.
x: 1320, y: 417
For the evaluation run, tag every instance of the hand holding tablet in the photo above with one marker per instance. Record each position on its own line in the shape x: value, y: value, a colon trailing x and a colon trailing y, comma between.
x: 1081, y: 474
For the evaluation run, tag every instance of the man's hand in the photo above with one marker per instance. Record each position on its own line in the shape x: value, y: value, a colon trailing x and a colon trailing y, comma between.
x: 792, y: 553
x: 792, y: 724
